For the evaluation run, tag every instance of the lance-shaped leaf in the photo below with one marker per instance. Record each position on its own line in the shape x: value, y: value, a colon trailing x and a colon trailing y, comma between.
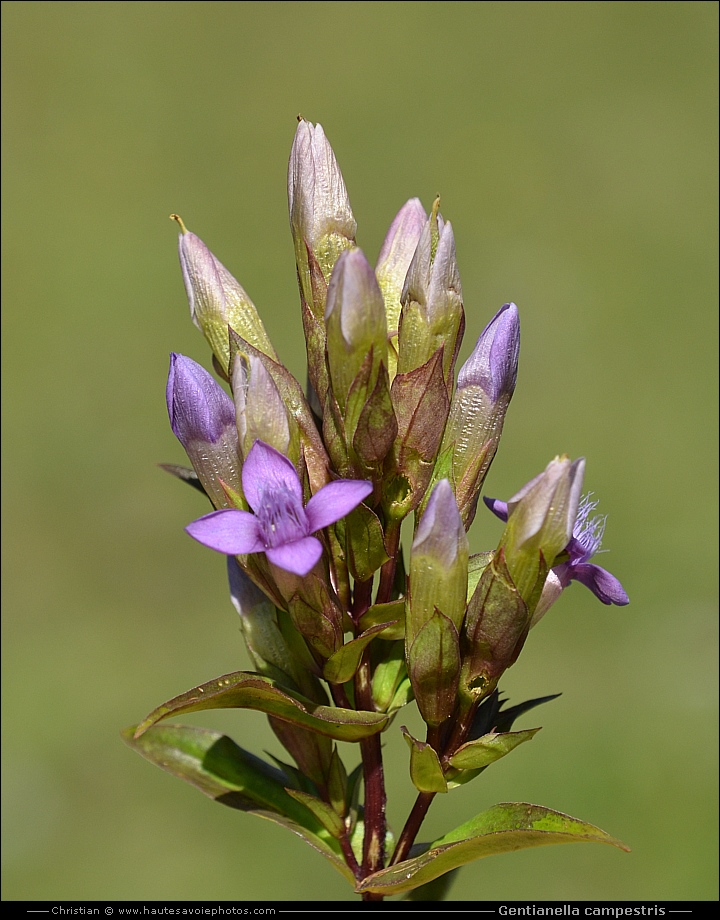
x: 218, y: 767
x: 310, y: 751
x: 434, y: 668
x: 502, y: 829
x: 326, y: 814
x: 337, y: 784
x: 244, y: 690
x: 491, y: 747
x: 223, y: 771
x: 425, y: 770
x: 436, y: 890
x: 342, y: 666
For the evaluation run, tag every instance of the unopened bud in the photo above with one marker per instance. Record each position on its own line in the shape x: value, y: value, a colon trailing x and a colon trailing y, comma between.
x: 486, y: 383
x: 202, y: 416
x: 259, y: 408
x: 438, y: 564
x: 217, y: 300
x: 393, y: 263
x: 320, y: 215
x: 432, y: 314
x: 355, y: 320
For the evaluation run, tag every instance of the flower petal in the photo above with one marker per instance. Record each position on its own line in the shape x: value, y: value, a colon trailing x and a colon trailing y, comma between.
x: 298, y: 557
x: 228, y: 531
x: 498, y: 508
x: 602, y: 584
x: 266, y: 467
x: 334, y: 501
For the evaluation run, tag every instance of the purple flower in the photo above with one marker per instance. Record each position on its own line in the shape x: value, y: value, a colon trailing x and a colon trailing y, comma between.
x: 280, y: 527
x: 575, y: 565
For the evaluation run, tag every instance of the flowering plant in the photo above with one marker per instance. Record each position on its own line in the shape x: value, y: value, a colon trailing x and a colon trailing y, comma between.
x: 310, y: 489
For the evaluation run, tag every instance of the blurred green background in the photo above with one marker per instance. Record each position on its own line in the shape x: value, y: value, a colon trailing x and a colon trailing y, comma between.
x: 574, y: 148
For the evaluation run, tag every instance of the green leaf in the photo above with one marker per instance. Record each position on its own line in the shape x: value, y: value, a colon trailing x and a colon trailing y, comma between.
x: 377, y: 426
x: 476, y: 566
x: 342, y: 666
x: 489, y: 748
x: 390, y: 672
x: 502, y: 829
x: 434, y: 668
x: 366, y: 550
x: 425, y: 770
x: 421, y: 404
x: 436, y: 890
x: 223, y: 771
x: 337, y: 783
x: 245, y: 690
x: 392, y: 614
x: 326, y: 814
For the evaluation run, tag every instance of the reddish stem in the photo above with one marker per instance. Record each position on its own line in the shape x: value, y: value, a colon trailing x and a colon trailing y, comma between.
x: 387, y: 572
x: 412, y: 826
x: 375, y: 801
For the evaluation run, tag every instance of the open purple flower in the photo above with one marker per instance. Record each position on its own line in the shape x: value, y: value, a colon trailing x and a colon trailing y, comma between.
x: 280, y: 527
x: 575, y: 565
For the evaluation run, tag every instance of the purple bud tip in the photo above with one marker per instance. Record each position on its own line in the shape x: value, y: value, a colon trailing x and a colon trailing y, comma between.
x: 494, y: 361
x: 440, y: 531
x: 199, y: 409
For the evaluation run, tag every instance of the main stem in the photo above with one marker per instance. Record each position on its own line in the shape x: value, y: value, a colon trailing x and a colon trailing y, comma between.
x: 375, y: 800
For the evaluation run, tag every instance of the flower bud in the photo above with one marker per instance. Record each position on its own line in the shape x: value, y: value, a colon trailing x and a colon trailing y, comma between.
x: 486, y: 383
x: 438, y: 564
x: 217, y: 300
x: 259, y: 409
x: 355, y: 321
x: 393, y: 263
x: 202, y: 416
x: 320, y: 215
x: 435, y: 605
x: 432, y: 314
x: 493, y: 363
x: 540, y: 522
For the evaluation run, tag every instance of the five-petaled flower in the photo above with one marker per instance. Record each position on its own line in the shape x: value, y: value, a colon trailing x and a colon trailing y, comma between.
x: 281, y: 526
x: 573, y: 563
